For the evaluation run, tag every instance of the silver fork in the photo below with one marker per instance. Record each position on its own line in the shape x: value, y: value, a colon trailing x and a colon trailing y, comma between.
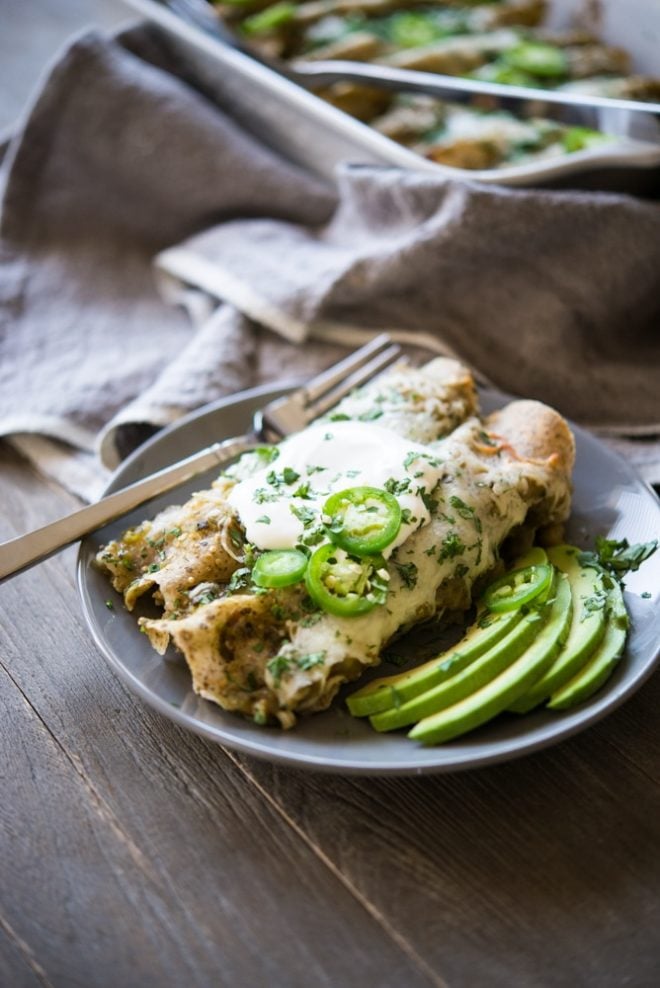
x: 271, y: 424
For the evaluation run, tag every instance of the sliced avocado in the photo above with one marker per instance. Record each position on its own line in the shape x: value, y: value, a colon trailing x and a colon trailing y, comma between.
x: 586, y: 631
x: 481, y: 706
x: 480, y: 672
x: 601, y: 664
x: 392, y: 691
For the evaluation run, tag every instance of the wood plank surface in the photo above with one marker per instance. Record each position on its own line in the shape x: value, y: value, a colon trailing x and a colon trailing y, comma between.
x: 143, y: 853
x: 541, y: 872
x: 135, y: 854
x: 138, y: 854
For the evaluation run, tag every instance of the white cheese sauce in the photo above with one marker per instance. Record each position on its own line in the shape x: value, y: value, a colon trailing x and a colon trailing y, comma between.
x: 282, y: 504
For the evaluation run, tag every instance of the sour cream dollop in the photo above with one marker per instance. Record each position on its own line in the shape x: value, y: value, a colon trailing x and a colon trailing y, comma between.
x: 282, y: 504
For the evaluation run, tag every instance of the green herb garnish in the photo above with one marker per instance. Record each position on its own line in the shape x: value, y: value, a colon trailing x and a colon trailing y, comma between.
x: 617, y: 557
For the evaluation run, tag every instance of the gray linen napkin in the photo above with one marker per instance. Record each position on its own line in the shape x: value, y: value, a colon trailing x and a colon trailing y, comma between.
x: 545, y: 294
x: 116, y: 160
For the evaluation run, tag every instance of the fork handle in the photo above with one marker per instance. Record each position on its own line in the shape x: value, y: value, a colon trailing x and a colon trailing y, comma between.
x: 26, y: 550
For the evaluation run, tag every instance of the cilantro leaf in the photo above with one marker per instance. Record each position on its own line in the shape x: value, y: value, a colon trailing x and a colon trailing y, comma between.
x: 617, y: 557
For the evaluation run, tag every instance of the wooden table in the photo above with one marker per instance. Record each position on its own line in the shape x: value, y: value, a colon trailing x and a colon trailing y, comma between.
x: 134, y: 854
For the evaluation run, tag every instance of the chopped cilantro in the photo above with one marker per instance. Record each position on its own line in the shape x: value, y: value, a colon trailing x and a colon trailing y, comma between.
x: 478, y: 545
x: 277, y: 667
x: 250, y: 552
x: 618, y: 557
x: 251, y: 681
x: 262, y: 496
x: 393, y: 486
x: 371, y: 415
x: 408, y: 574
x: 240, y: 579
x: 303, y: 491
x: 311, y: 620
x: 267, y: 453
x: 309, y: 661
x: 414, y: 455
x: 312, y: 537
x: 263, y: 520
x: 452, y: 546
x: 206, y: 598
x: 111, y: 606
x: 339, y: 417
x: 306, y: 515
x: 288, y: 476
x: 429, y: 502
x: 465, y: 511
x: 236, y: 537
x: 594, y: 602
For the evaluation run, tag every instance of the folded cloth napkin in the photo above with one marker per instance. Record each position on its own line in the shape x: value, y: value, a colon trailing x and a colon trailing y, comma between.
x: 120, y: 161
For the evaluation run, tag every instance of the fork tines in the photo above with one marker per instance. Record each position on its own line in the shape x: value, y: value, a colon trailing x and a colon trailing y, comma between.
x: 343, y: 377
x: 295, y: 411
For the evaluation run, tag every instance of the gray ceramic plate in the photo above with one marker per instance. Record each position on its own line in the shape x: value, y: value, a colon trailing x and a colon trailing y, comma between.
x: 609, y: 500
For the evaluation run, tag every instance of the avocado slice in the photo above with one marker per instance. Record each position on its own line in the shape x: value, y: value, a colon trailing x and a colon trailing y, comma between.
x: 392, y: 691
x: 480, y: 672
x: 601, y: 664
x: 586, y: 631
x: 481, y: 706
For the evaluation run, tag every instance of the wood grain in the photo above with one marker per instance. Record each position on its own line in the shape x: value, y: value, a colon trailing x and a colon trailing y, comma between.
x: 139, y: 854
x: 541, y: 872
x: 147, y: 855
x: 134, y: 854
x: 17, y: 967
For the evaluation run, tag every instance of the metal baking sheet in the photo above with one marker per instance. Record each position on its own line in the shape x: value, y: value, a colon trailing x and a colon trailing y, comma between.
x: 317, y: 136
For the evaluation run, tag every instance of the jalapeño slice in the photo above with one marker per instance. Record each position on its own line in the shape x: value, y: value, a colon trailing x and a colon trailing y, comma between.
x: 362, y: 520
x: 346, y: 585
x: 279, y: 568
x: 537, y: 58
x: 518, y: 587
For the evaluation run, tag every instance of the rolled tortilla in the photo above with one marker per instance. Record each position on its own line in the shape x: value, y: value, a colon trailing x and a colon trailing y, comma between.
x: 199, y: 544
x: 272, y: 657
